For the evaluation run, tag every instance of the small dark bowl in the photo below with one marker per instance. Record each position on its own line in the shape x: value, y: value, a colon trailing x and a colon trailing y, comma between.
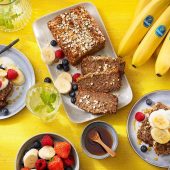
x: 30, y: 142
x: 110, y: 129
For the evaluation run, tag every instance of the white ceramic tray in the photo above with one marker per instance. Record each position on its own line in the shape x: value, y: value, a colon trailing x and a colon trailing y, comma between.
x: 44, y: 36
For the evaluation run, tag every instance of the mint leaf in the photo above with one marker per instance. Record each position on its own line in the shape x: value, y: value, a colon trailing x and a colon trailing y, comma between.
x: 39, y: 108
x: 53, y: 97
x: 45, y: 97
x: 50, y: 108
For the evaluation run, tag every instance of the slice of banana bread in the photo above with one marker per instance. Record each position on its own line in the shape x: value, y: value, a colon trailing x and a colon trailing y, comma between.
x: 5, y: 92
x: 99, y: 64
x: 96, y: 103
x: 100, y: 82
x: 77, y: 33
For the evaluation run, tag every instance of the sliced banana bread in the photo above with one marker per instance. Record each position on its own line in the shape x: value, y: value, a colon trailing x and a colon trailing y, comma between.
x: 96, y: 103
x: 100, y: 82
x: 99, y: 64
x: 5, y: 92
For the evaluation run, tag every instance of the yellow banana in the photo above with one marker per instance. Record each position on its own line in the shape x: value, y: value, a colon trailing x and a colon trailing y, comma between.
x: 141, y: 25
x: 163, y: 61
x: 152, y: 39
x: 140, y: 6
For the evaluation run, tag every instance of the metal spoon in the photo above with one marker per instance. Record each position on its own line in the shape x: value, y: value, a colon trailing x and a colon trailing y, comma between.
x: 94, y: 136
x: 9, y: 46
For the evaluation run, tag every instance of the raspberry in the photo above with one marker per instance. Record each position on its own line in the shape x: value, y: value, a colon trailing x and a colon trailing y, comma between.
x: 69, y: 161
x: 41, y: 164
x: 139, y: 116
x: 59, y: 54
x: 76, y: 76
x: 47, y: 141
x: 11, y: 74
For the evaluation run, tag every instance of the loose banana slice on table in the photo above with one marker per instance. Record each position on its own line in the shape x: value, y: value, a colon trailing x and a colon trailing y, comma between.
x: 46, y: 152
x: 163, y: 61
x: 30, y: 158
x: 20, y: 80
x: 62, y: 85
x: 48, y: 55
x: 66, y: 76
x: 141, y: 26
x: 160, y: 136
x: 152, y: 39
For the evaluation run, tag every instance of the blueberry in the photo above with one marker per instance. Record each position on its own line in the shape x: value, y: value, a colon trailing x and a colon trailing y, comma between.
x: 59, y: 66
x: 47, y: 80
x: 66, y: 68
x: 72, y: 94
x: 68, y: 168
x: 5, y: 111
x: 73, y: 100
x: 65, y: 62
x: 143, y: 148
x: 36, y: 145
x: 53, y: 43
x: 74, y: 87
x: 149, y: 102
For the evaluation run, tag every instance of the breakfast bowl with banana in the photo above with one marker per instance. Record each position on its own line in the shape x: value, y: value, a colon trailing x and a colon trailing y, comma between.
x: 148, y: 128
x: 16, y: 77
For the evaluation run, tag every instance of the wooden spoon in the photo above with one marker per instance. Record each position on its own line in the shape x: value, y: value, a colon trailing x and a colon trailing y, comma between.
x: 94, y: 136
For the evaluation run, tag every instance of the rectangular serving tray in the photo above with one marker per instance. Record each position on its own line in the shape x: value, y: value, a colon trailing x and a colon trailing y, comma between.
x: 44, y: 36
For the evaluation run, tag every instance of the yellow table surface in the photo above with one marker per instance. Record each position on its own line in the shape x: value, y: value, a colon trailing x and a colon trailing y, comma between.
x: 117, y: 15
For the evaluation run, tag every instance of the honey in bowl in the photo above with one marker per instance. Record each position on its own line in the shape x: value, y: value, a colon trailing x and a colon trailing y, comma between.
x: 95, y: 148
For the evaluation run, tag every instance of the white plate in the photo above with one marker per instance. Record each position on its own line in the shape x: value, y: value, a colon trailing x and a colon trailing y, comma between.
x: 44, y: 36
x: 162, y: 161
x: 19, y: 93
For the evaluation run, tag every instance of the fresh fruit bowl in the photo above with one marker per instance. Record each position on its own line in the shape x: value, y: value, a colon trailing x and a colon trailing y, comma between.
x: 35, y: 150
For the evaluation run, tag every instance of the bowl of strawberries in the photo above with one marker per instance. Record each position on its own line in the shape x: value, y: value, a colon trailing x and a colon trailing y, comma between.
x: 47, y: 151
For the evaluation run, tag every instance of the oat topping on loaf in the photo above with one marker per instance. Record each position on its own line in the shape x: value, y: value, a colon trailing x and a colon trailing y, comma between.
x: 96, y: 103
x: 77, y: 34
x: 100, y: 82
x: 99, y: 64
x: 144, y: 132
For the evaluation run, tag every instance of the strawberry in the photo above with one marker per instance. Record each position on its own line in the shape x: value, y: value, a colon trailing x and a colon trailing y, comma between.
x: 41, y: 164
x: 69, y: 161
x: 0, y: 84
x: 76, y: 76
x: 25, y: 169
x: 56, y: 164
x: 11, y: 74
x: 59, y: 54
x: 139, y: 116
x: 47, y: 141
x: 62, y: 149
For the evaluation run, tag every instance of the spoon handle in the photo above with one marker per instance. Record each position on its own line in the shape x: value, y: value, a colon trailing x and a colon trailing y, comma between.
x: 108, y: 150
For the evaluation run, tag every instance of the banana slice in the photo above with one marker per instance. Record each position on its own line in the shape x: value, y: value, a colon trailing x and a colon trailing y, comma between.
x: 6, y: 61
x: 48, y: 55
x: 46, y: 152
x: 66, y: 76
x: 4, y: 82
x: 30, y: 158
x: 63, y: 85
x: 20, y: 80
x: 159, y: 119
x: 3, y: 73
x: 160, y: 136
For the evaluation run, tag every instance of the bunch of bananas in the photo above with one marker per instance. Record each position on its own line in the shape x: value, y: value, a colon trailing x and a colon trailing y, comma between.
x: 149, y: 33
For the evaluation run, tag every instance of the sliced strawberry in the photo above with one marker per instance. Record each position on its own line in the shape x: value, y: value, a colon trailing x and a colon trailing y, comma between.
x: 59, y: 54
x: 56, y: 164
x: 25, y: 169
x: 76, y: 76
x: 139, y: 116
x: 11, y: 74
x: 69, y: 161
x: 62, y: 149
